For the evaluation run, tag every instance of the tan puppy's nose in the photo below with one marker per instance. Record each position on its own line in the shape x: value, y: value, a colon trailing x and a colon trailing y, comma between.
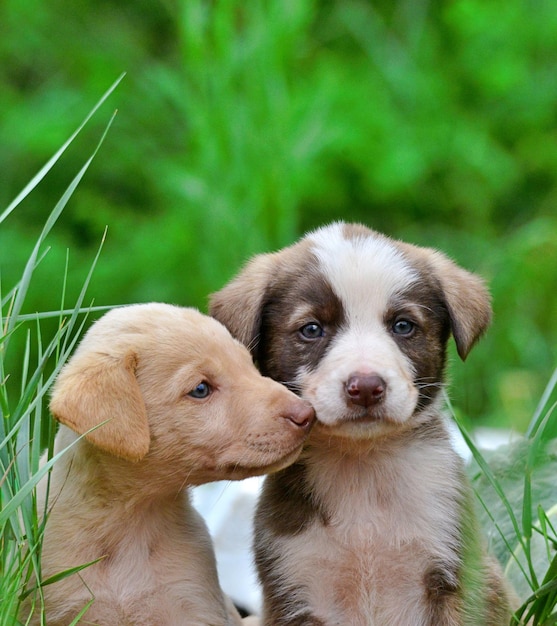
x: 301, y: 414
x: 365, y: 389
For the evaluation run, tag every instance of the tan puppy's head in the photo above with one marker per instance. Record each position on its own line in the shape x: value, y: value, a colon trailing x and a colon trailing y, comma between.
x: 170, y: 388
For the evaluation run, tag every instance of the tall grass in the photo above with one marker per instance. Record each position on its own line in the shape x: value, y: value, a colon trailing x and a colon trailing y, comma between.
x: 517, y: 489
x: 515, y: 484
x: 25, y: 427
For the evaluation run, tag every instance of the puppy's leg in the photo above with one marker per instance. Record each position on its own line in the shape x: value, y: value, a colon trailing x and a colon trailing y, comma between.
x: 501, y: 599
x: 282, y: 609
x: 484, y: 600
x: 443, y: 602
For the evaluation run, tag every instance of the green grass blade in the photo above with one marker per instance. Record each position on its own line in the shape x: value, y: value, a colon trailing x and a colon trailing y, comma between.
x: 537, y: 419
x: 60, y: 576
x: 486, y: 469
x: 81, y: 297
x: 11, y: 507
x: 12, y: 293
x: 53, y: 217
x: 50, y: 163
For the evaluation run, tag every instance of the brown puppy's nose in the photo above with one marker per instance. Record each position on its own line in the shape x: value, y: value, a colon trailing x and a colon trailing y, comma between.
x: 365, y: 389
x: 301, y: 414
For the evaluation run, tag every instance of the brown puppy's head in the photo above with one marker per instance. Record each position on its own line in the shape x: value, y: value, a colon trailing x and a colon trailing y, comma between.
x: 355, y: 322
x: 170, y: 388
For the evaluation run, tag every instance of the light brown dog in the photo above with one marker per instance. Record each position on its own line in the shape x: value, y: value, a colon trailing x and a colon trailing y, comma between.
x: 165, y: 399
x: 374, y: 524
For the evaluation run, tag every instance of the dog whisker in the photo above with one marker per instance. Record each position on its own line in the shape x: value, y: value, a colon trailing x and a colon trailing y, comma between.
x: 428, y: 385
x: 253, y: 344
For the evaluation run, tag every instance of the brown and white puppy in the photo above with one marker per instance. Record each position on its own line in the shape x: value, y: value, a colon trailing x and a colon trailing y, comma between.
x: 374, y: 524
x: 173, y: 401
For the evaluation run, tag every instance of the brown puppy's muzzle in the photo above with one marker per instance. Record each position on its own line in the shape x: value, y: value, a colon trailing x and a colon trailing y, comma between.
x: 365, y: 389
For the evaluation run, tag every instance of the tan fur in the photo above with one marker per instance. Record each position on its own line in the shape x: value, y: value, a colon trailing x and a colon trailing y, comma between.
x: 125, y: 432
x: 118, y: 495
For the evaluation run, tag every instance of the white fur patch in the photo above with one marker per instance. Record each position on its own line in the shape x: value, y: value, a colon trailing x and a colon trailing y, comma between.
x: 365, y: 273
x: 403, y: 513
x: 373, y: 261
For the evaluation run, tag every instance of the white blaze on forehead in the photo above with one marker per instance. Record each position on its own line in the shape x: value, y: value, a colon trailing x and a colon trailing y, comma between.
x: 365, y: 271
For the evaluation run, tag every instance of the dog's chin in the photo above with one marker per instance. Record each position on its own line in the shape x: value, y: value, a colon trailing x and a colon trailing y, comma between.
x: 259, y: 467
x: 362, y: 423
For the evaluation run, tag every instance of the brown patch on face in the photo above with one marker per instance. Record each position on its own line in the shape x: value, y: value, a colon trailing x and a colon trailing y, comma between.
x: 465, y: 295
x: 239, y: 304
x: 283, y: 351
x: 425, y: 347
x: 352, y: 231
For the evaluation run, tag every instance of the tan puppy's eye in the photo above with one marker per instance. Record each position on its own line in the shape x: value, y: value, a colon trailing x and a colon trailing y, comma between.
x: 200, y: 391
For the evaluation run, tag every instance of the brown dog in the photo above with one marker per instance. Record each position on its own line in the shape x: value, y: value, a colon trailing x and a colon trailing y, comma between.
x: 164, y: 399
x: 374, y: 524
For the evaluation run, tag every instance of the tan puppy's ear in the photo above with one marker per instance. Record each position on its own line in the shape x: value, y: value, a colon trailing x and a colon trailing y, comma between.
x: 94, y: 388
x: 239, y: 305
x: 467, y: 299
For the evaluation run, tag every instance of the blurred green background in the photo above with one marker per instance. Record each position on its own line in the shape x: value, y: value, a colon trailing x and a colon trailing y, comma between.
x: 244, y: 123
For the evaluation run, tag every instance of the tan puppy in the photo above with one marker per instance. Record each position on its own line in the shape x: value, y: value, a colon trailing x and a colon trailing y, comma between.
x: 374, y: 524
x: 174, y: 401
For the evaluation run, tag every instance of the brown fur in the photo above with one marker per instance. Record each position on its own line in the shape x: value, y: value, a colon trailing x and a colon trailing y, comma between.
x: 367, y: 527
x: 117, y: 495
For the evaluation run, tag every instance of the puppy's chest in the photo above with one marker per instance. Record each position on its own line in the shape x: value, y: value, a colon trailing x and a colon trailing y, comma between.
x: 395, y: 498
x: 361, y: 581
x: 370, y: 520
x: 383, y: 528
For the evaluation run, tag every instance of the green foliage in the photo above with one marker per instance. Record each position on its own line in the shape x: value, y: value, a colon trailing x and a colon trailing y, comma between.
x: 242, y: 124
x: 245, y: 123
x: 515, y: 484
x: 516, y: 488
x: 25, y: 427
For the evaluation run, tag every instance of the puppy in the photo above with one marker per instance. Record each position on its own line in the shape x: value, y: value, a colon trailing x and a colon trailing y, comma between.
x: 374, y: 524
x: 164, y: 399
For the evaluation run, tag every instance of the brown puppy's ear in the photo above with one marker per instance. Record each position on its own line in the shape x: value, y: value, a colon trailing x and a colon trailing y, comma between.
x: 467, y: 299
x: 239, y: 305
x: 94, y: 388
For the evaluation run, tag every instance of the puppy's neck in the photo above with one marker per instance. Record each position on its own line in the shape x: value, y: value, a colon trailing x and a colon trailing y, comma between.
x: 117, y: 483
x: 383, y: 480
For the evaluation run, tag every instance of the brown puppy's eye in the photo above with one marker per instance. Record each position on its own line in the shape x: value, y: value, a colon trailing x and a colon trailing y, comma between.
x: 403, y: 327
x: 201, y: 391
x: 312, y: 331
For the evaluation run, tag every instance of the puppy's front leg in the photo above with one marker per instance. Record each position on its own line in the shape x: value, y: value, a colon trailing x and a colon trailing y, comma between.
x: 481, y: 597
x: 293, y: 613
x: 443, y: 604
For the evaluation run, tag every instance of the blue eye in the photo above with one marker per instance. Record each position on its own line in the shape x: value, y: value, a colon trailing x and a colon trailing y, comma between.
x: 312, y: 331
x: 403, y: 327
x: 201, y: 391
